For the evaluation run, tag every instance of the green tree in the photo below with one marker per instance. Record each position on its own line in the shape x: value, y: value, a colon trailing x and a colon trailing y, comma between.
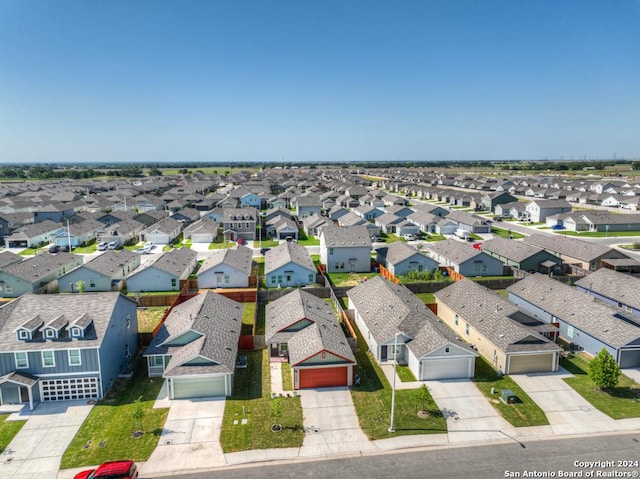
x: 80, y: 285
x: 276, y: 410
x: 138, y: 415
x: 424, y: 396
x: 603, y: 370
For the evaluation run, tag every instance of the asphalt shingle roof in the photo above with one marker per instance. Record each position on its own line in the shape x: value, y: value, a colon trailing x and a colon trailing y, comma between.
x: 238, y: 257
x: 568, y: 246
x: 620, y: 287
x: 346, y: 236
x: 514, y: 250
x: 285, y: 253
x: 41, y: 266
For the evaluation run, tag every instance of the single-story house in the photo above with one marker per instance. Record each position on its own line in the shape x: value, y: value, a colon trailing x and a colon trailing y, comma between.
x: 464, y: 259
x: 105, y: 272
x: 611, y: 287
x: 164, y: 272
x: 399, y: 258
x: 521, y: 255
x: 226, y: 268
x: 289, y: 264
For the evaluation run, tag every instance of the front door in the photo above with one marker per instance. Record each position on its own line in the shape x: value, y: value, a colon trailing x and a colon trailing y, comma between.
x: 24, y: 394
x: 383, y: 353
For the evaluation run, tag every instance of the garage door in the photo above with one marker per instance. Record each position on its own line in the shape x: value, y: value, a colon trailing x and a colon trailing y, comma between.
x: 630, y: 358
x: 67, y: 389
x: 323, y: 377
x: 534, y: 363
x: 188, y: 388
x: 454, y: 368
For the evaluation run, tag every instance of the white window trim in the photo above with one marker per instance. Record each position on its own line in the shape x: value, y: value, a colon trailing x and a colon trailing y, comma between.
x: 53, y: 357
x: 128, y: 321
x: 23, y: 334
x: 49, y: 333
x: 76, y: 332
x: 570, y: 331
x: 26, y: 357
x: 79, y: 357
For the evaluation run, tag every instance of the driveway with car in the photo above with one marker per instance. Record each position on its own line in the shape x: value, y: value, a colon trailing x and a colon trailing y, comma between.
x: 567, y: 411
x: 36, y: 451
x: 190, y: 438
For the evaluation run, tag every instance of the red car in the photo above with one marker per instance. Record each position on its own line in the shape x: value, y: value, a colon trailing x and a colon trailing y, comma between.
x: 477, y: 246
x: 111, y: 470
x: 240, y: 241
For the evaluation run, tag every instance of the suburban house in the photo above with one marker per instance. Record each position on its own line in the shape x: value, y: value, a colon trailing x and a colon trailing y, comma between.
x: 39, y: 274
x: 226, y: 268
x: 489, y: 201
x: 8, y: 257
x: 236, y: 222
x: 281, y: 227
x: 164, y: 272
x: 352, y: 219
x: 307, y: 205
x: 105, y: 272
x: 304, y: 330
x: 583, y: 321
x: 396, y: 325
x: 250, y: 200
x: 399, y: 258
x: 464, y: 259
x: 611, y: 287
x: 56, y: 212
x: 574, y: 251
x: 289, y: 264
x: 195, y: 348
x: 64, y: 347
x: 33, y: 235
x: 312, y: 224
x: 78, y: 233
x: 165, y: 231
x: 521, y: 255
x: 368, y: 212
x: 470, y: 222
x: 388, y: 222
x: 345, y: 249
x: 512, y: 341
x: 539, y: 209
x: 425, y: 221
x: 205, y: 230
x: 122, y: 232
x: 516, y: 210
x: 186, y: 215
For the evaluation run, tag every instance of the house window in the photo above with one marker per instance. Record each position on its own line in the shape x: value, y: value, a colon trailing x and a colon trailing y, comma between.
x: 157, y: 361
x: 22, y: 361
x: 49, y: 333
x: 74, y: 357
x: 456, y: 319
x: 127, y: 353
x: 174, y: 282
x: 92, y: 283
x: 246, y: 225
x: 324, y: 355
x: 279, y: 279
x: 75, y: 332
x: 48, y: 359
x: 128, y: 321
x: 484, y: 268
x: 467, y: 329
x: 447, y: 349
x: 273, y: 280
x: 311, y: 278
x: 8, y: 288
x: 330, y: 251
x: 23, y: 334
x: 226, y: 279
x: 570, y: 331
x: 619, y: 305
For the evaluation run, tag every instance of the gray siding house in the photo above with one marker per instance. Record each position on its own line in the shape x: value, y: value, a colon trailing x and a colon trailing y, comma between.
x: 521, y: 255
x: 164, y: 272
x: 226, y: 268
x: 64, y: 347
x: 464, y: 259
x: 611, y: 287
x: 400, y: 258
x: 105, y: 272
x: 289, y: 264
x: 345, y: 249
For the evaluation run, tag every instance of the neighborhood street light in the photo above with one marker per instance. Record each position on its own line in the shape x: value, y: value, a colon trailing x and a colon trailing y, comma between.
x: 393, y: 390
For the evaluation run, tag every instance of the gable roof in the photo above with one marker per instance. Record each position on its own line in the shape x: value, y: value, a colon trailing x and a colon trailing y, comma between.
x: 41, y: 266
x: 346, y: 237
x: 286, y: 253
x: 572, y: 247
x: 455, y: 251
x: 110, y: 262
x: 511, y: 249
x: 175, y: 262
x: 239, y: 257
x: 399, y: 251
x: 620, y: 287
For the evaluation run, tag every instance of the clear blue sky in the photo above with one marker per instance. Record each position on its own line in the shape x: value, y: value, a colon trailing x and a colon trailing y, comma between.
x: 125, y: 80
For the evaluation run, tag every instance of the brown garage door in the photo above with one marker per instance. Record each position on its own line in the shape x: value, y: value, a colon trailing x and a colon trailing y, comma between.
x: 531, y: 363
x: 323, y: 377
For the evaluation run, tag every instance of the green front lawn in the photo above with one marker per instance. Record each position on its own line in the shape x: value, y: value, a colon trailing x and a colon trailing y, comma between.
x: 89, y: 248
x: 32, y: 251
x: 267, y: 243
x: 502, y: 233
x: 260, y: 319
x: 150, y: 317
x: 405, y: 374
x: 251, y: 400
x: 287, y: 378
x: 427, y: 298
x: 389, y: 237
x: 598, y: 234
x: 221, y: 245
x: 525, y: 413
x: 248, y: 318
x: 8, y: 430
x: 431, y: 237
x: 372, y: 401
x: 619, y: 403
x: 107, y: 432
x: 305, y: 240
x: 349, y: 279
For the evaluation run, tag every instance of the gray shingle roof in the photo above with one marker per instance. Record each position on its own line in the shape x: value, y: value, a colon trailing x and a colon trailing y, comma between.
x: 576, y: 308
x: 7, y: 258
x: 489, y: 313
x: 175, y: 262
x: 111, y: 262
x: 238, y: 257
x: 317, y: 337
x: 572, y: 247
x: 42, y: 265
x: 346, y: 236
x: 217, y: 319
x: 620, y: 287
x: 285, y: 253
x: 514, y: 250
x: 400, y: 251
x: 456, y: 251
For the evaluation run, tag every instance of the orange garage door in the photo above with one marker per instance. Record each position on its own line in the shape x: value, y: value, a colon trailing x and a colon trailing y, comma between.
x: 323, y: 377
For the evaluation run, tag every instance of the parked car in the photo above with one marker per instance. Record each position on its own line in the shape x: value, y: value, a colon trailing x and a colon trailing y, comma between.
x: 477, y: 246
x: 557, y: 227
x: 113, y: 245
x: 54, y: 248
x: 240, y: 241
x: 64, y: 248
x: 410, y: 237
x: 111, y: 470
x: 498, y: 218
x: 264, y: 250
x: 102, y: 246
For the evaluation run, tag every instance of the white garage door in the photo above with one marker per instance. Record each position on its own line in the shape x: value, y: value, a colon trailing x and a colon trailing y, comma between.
x: 454, y: 368
x: 187, y: 388
x: 67, y: 389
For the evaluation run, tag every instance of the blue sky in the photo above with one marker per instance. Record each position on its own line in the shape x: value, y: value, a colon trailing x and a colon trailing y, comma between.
x: 323, y: 80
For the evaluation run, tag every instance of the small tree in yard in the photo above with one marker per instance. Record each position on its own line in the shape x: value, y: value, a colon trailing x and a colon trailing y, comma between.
x: 81, y: 286
x: 604, y: 371
x: 424, y: 396
x: 276, y: 413
x: 138, y: 415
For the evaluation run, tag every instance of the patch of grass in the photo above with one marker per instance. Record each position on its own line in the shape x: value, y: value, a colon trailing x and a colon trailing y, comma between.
x: 349, y: 279
x: 150, y: 317
x: 617, y: 403
x: 502, y: 292
x: 31, y: 251
x: 251, y: 400
x: 287, y: 381
x: 248, y: 318
x: 267, y: 243
x: 110, y: 421
x: 525, y: 413
x: 405, y: 374
x: 8, y: 430
x: 88, y: 248
x: 372, y: 401
x: 260, y: 319
x: 502, y: 233
x: 305, y: 240
x: 431, y: 237
x: 427, y: 298
x: 389, y: 237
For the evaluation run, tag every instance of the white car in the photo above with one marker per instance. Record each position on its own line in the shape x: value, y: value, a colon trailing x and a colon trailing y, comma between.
x: 102, y: 246
x: 409, y: 237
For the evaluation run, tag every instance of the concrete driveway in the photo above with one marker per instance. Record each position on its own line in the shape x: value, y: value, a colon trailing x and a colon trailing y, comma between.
x: 567, y: 411
x: 331, y: 424
x: 36, y: 451
x: 470, y: 416
x: 190, y: 438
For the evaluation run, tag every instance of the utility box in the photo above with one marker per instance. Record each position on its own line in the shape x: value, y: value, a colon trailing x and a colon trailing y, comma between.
x: 509, y: 397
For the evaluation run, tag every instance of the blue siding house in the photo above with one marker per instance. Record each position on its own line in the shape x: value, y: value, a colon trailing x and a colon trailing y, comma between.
x: 64, y: 347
